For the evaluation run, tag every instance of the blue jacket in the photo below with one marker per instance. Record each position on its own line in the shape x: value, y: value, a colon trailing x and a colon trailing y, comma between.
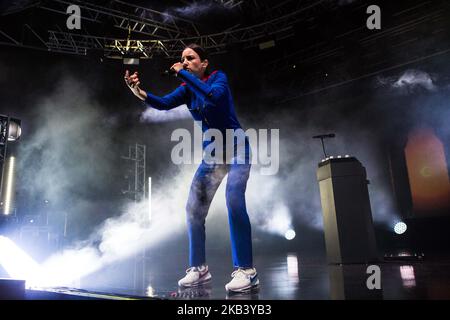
x: 209, y: 100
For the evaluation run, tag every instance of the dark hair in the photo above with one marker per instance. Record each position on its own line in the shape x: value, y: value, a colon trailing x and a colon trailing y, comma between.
x: 201, y: 53
x: 199, y: 50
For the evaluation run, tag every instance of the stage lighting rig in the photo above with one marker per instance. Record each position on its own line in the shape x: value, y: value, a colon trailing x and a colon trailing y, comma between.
x: 10, y: 130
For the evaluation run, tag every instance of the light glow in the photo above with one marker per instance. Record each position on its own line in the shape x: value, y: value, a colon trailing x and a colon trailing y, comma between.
x: 16, y: 262
x: 150, y: 292
x: 408, y: 276
x: 290, y: 234
x: 400, y: 228
x: 9, y: 186
x: 149, y: 198
x: 292, y: 268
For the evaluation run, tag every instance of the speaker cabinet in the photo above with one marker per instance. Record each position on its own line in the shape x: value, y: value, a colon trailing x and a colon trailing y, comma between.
x: 347, y: 217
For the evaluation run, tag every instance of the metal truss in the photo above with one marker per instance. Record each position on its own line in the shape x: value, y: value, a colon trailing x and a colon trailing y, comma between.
x: 151, y: 32
x: 329, y: 60
x: 125, y: 16
x: 277, y: 28
x: 150, y: 25
x: 65, y: 42
x: 136, y: 184
x: 16, y: 8
x: 136, y: 154
x: 230, y: 3
x: 317, y: 53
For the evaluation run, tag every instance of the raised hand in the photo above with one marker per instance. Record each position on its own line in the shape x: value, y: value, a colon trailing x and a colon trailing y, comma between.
x: 132, y: 81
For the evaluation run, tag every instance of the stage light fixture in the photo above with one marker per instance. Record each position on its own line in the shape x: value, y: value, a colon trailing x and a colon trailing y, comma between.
x: 290, y: 234
x: 400, y: 228
x: 150, y: 292
x: 15, y: 130
x: 267, y: 44
x: 9, y: 186
x: 16, y: 262
x: 131, y: 61
x: 10, y: 130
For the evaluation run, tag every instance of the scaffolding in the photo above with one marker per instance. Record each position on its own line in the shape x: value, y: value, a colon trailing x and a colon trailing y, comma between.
x: 137, y: 190
x: 150, y: 31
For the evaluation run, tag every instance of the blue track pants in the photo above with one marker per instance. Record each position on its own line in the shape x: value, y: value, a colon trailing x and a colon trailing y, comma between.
x: 204, y: 185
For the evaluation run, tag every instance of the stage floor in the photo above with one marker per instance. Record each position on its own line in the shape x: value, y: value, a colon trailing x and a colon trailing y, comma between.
x: 288, y: 276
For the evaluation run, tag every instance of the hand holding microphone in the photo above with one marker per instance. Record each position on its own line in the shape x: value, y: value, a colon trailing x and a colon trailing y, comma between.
x: 173, y: 69
x: 177, y: 67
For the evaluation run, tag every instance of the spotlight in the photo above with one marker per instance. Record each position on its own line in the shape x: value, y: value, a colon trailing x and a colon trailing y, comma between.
x: 131, y: 61
x: 15, y: 130
x: 290, y: 234
x: 10, y: 130
x: 400, y: 228
x: 16, y: 262
x: 150, y: 292
x: 266, y: 45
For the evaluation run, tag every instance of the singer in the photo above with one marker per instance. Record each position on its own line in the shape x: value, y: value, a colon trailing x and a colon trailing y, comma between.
x: 208, y: 97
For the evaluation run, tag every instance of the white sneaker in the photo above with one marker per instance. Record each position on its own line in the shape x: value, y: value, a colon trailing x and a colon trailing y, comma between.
x: 243, y: 280
x: 195, y: 276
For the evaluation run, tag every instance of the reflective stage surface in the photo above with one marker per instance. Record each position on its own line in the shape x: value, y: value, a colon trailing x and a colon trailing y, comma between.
x: 286, y: 277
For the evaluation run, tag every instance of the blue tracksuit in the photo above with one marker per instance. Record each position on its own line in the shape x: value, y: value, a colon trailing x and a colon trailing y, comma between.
x: 209, y: 100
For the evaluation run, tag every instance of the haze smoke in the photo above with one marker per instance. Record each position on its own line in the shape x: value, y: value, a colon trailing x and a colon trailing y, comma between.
x: 196, y: 9
x: 121, y: 237
x: 410, y: 81
x: 415, y: 78
x: 54, y: 169
x: 153, y: 115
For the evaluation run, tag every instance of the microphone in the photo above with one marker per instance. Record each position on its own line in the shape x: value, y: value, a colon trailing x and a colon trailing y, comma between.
x: 322, y: 136
x: 168, y: 72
